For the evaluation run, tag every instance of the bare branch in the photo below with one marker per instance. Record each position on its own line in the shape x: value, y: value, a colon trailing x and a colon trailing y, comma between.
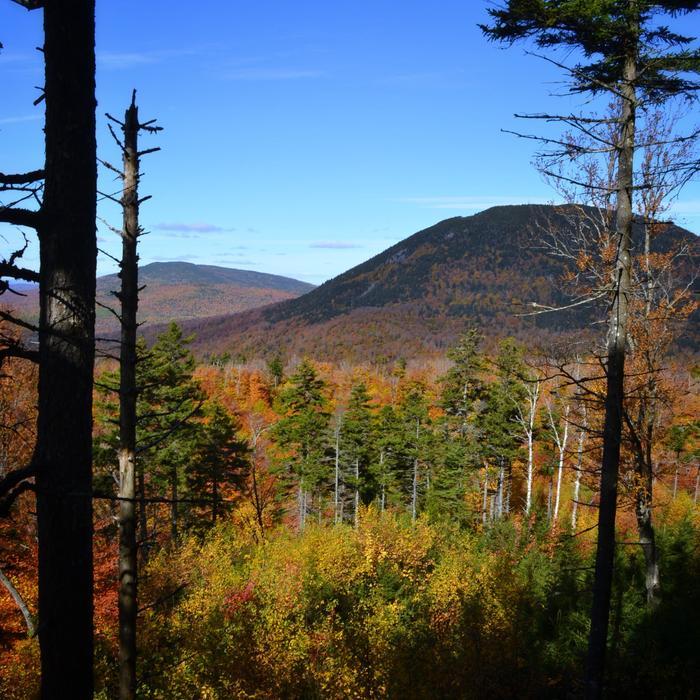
x: 19, y: 217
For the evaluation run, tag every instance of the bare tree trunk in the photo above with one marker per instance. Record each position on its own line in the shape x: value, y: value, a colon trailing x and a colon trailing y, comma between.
x: 414, y: 490
x: 697, y: 485
x: 577, y: 481
x: 486, y: 496
x: 337, y: 474
x: 561, y: 441
x: 357, y: 490
x: 128, y: 296
x: 174, y: 516
x: 383, y: 492
x: 19, y: 601
x: 528, y: 424
x: 675, y: 481
x: 68, y: 252
x: 615, y: 371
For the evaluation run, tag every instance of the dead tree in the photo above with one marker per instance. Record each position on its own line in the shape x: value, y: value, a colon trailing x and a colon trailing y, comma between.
x: 128, y: 392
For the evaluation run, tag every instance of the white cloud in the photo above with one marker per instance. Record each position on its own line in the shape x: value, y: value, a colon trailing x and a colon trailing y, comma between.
x: 19, y: 120
x: 200, y: 227
x: 334, y: 245
x: 121, y: 60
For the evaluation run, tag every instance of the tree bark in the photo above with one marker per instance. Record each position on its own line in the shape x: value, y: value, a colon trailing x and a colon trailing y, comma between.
x: 68, y: 251
x: 579, y: 464
x: 615, y: 370
x: 128, y: 296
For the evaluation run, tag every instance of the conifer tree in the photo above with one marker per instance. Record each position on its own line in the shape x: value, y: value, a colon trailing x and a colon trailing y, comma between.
x: 387, y: 456
x: 499, y: 420
x: 219, y: 465
x: 415, y: 458
x: 302, y: 433
x: 634, y: 58
x: 357, y: 446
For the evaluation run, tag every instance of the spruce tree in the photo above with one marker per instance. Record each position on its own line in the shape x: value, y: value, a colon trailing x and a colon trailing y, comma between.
x: 219, y: 466
x: 357, y: 446
x: 303, y: 434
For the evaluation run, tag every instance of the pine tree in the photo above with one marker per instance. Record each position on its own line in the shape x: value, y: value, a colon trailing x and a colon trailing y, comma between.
x: 303, y: 434
x: 415, y: 458
x: 357, y: 447
x: 638, y: 61
x: 499, y: 421
x: 219, y: 465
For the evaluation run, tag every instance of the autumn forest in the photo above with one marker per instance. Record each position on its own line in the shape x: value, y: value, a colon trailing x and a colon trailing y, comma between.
x: 468, y: 467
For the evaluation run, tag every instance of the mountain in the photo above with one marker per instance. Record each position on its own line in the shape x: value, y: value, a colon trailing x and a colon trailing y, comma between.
x: 181, y: 290
x: 418, y: 295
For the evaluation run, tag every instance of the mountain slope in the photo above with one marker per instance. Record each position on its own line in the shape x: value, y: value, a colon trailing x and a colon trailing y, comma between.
x: 419, y: 294
x: 180, y: 290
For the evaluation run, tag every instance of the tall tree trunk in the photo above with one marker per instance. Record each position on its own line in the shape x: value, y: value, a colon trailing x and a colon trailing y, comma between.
x: 174, y: 515
x: 414, y: 486
x: 615, y: 372
x: 561, y: 446
x: 68, y: 252
x: 357, y: 491
x: 382, y: 500
x: 128, y: 297
x: 19, y: 602
x: 337, y: 474
x: 577, y: 480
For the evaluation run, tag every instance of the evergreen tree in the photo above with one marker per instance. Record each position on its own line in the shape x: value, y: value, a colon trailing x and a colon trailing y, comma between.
x: 219, y: 465
x: 389, y: 448
x: 634, y: 58
x: 357, y: 446
x: 303, y: 434
x: 459, y: 450
x: 462, y: 386
x: 415, y: 459
x: 169, y: 403
x: 499, y: 421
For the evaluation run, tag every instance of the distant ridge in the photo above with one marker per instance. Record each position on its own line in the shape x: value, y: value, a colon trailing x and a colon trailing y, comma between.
x: 180, y: 291
x: 190, y: 273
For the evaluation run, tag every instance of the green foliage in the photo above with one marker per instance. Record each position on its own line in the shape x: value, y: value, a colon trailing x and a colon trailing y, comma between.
x: 393, y: 609
x: 219, y: 466
x: 605, y: 31
x: 303, y: 429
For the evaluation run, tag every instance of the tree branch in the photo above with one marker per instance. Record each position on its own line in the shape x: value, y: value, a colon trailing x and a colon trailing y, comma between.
x: 19, y: 217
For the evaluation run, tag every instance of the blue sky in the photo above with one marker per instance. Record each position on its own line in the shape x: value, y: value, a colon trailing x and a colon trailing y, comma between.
x: 301, y: 138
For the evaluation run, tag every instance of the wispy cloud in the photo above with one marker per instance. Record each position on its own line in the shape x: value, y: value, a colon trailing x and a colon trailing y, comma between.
x: 334, y: 245
x: 121, y: 60
x: 254, y: 74
x: 236, y: 261
x: 19, y: 120
x: 181, y: 227
x: 174, y: 258
x: 470, y: 203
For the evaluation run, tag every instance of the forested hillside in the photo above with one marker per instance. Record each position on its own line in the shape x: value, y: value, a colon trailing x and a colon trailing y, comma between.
x: 419, y: 295
x: 180, y: 290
